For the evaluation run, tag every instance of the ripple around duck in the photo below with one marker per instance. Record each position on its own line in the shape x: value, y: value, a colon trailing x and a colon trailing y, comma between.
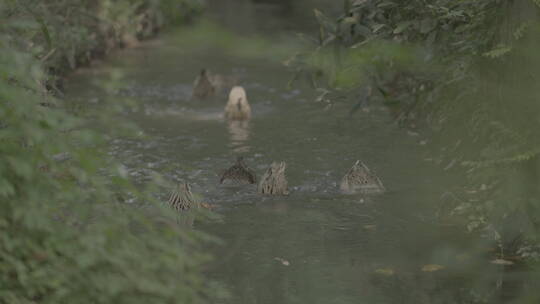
x: 156, y: 91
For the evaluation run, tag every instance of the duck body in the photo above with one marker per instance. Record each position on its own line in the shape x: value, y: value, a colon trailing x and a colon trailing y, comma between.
x: 208, y: 84
x: 359, y: 179
x: 182, y: 199
x: 203, y: 87
x: 274, y: 182
x: 237, y: 107
x: 238, y: 174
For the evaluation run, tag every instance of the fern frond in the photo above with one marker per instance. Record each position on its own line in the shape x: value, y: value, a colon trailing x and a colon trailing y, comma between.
x: 498, y: 51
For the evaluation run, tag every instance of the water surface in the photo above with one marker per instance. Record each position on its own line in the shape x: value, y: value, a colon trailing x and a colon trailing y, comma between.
x: 315, y: 245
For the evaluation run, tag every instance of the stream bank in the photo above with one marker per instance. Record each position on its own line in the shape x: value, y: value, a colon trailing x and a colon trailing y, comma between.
x: 65, y: 35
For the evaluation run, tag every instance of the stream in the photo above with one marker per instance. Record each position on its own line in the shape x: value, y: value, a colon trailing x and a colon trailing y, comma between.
x: 315, y: 245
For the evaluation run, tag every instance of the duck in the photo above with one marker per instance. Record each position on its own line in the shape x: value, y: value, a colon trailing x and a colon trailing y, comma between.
x: 203, y: 87
x: 208, y: 84
x: 237, y: 107
x: 360, y: 179
x: 274, y: 182
x: 182, y: 199
x: 238, y: 174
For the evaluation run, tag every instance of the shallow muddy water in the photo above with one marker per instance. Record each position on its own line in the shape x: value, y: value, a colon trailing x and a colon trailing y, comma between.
x: 315, y: 245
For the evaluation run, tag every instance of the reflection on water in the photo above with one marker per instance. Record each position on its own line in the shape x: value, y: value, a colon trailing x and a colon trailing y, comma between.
x: 239, y: 135
x: 315, y: 245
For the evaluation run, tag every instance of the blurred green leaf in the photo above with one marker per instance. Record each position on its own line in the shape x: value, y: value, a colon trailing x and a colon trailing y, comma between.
x: 402, y: 26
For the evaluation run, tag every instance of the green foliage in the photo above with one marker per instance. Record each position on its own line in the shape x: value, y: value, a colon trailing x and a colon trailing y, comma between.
x: 206, y: 34
x: 429, y: 44
x: 72, y: 32
x: 498, y: 51
x: 74, y: 229
x: 468, y: 69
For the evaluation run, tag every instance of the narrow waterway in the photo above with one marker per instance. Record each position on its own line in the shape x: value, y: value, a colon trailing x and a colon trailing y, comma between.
x: 315, y: 245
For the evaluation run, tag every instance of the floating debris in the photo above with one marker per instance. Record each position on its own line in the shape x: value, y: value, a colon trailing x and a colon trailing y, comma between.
x: 208, y: 206
x: 282, y: 261
x: 432, y: 267
x: 370, y: 227
x: 502, y: 262
x: 385, y: 271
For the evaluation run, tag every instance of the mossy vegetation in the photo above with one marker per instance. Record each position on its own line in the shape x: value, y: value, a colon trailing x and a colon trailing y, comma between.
x: 68, y: 234
x: 64, y: 34
x: 461, y: 72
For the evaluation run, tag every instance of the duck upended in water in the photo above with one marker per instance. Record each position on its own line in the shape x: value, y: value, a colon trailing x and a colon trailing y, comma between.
x: 238, y: 174
x: 274, y: 182
x: 359, y: 179
x: 181, y: 199
x: 208, y: 84
x: 203, y: 87
x: 237, y: 107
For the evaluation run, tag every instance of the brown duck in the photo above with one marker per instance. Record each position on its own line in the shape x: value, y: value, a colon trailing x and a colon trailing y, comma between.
x: 208, y: 84
x: 359, y: 179
x: 274, y: 182
x: 238, y: 174
x: 182, y: 199
x: 203, y: 87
